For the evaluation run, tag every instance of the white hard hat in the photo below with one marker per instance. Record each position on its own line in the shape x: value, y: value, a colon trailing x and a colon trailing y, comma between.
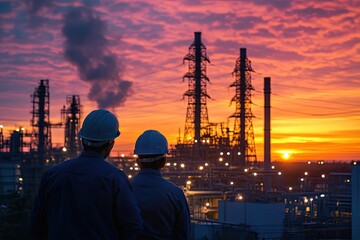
x: 151, y: 142
x: 99, y: 127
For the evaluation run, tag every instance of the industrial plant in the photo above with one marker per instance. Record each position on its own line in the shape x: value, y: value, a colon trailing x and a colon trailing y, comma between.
x: 230, y: 192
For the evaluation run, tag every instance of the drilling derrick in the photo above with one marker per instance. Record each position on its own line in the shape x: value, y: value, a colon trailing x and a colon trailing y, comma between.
x: 196, y: 114
x: 243, y: 133
x: 71, y: 118
x: 40, y: 122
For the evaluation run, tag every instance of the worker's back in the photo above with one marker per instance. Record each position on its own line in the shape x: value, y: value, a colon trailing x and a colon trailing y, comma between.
x: 81, y: 197
x: 163, y: 206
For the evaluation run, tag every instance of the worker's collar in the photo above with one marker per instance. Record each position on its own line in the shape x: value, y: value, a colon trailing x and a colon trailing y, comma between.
x: 150, y: 171
x: 91, y: 154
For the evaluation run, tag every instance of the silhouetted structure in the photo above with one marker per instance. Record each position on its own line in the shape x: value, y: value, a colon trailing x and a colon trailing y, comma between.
x: 40, y: 121
x: 243, y: 133
x: 267, y: 135
x: 197, y: 118
x: 71, y: 118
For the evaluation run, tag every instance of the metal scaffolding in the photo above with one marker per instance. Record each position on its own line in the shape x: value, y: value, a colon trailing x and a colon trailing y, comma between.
x: 71, y: 118
x: 40, y: 122
x: 243, y: 133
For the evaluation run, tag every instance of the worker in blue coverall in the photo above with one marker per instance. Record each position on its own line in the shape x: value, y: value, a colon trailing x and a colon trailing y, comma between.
x: 163, y: 204
x: 86, y: 197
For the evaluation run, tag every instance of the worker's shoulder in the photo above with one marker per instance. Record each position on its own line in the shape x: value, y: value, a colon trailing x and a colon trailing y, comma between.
x: 173, y: 187
x: 81, y: 165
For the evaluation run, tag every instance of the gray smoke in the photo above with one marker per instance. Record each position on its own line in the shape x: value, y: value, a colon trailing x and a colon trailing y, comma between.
x: 86, y: 47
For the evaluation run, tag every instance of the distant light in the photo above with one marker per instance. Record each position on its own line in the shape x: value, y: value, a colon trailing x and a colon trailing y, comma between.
x: 306, y: 173
x: 279, y: 173
x: 302, y: 179
x: 122, y: 155
x: 64, y: 149
x: 208, y: 141
x: 17, y: 129
x: 20, y: 179
x: 195, y: 141
x: 220, y: 159
x: 207, y: 204
x: 135, y: 156
x: 221, y: 153
x: 18, y: 166
x: 203, y: 140
x: 188, y: 182
x: 20, y: 188
x: 130, y: 176
x: 255, y: 174
x: 168, y: 164
x: 201, y: 168
x: 136, y: 168
x: 206, y: 164
x: 311, y: 199
x: 306, y: 200
x: 47, y: 161
x: 272, y: 167
x: 136, y: 164
x: 1, y: 126
x: 226, y: 164
x: 322, y: 195
x: 323, y: 175
x: 246, y: 170
x: 131, y: 168
x: 22, y: 129
x: 175, y: 164
x: 290, y: 188
x: 231, y: 183
x: 309, y: 162
x: 228, y: 153
x: 239, y: 153
x: 347, y: 180
x: 182, y: 165
x: 354, y: 163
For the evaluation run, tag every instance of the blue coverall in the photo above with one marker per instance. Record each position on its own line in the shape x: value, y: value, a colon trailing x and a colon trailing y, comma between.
x: 163, y: 206
x: 85, y: 198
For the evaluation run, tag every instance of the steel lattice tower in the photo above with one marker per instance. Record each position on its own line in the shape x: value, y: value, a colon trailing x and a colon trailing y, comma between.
x: 40, y: 121
x: 243, y: 133
x: 196, y: 114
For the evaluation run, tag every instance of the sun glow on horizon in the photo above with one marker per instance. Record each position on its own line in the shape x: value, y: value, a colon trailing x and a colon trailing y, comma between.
x: 285, y: 154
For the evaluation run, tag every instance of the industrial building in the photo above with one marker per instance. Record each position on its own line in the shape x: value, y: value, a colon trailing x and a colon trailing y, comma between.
x: 230, y: 193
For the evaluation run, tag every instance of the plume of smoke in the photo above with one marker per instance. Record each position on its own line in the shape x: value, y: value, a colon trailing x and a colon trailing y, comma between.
x: 86, y: 47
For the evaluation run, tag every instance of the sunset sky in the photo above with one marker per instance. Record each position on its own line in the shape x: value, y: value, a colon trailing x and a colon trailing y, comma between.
x: 127, y: 56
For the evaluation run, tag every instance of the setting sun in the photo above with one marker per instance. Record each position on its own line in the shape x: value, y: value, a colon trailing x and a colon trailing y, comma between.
x: 285, y: 154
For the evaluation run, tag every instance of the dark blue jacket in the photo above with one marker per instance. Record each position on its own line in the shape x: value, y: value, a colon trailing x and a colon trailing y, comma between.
x: 163, y: 206
x: 85, y: 198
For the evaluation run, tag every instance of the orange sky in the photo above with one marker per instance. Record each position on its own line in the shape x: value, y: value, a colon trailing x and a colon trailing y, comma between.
x: 310, y: 49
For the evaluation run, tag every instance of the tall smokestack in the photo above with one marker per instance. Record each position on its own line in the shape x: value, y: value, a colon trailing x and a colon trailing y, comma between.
x: 197, y: 85
x: 267, y: 136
